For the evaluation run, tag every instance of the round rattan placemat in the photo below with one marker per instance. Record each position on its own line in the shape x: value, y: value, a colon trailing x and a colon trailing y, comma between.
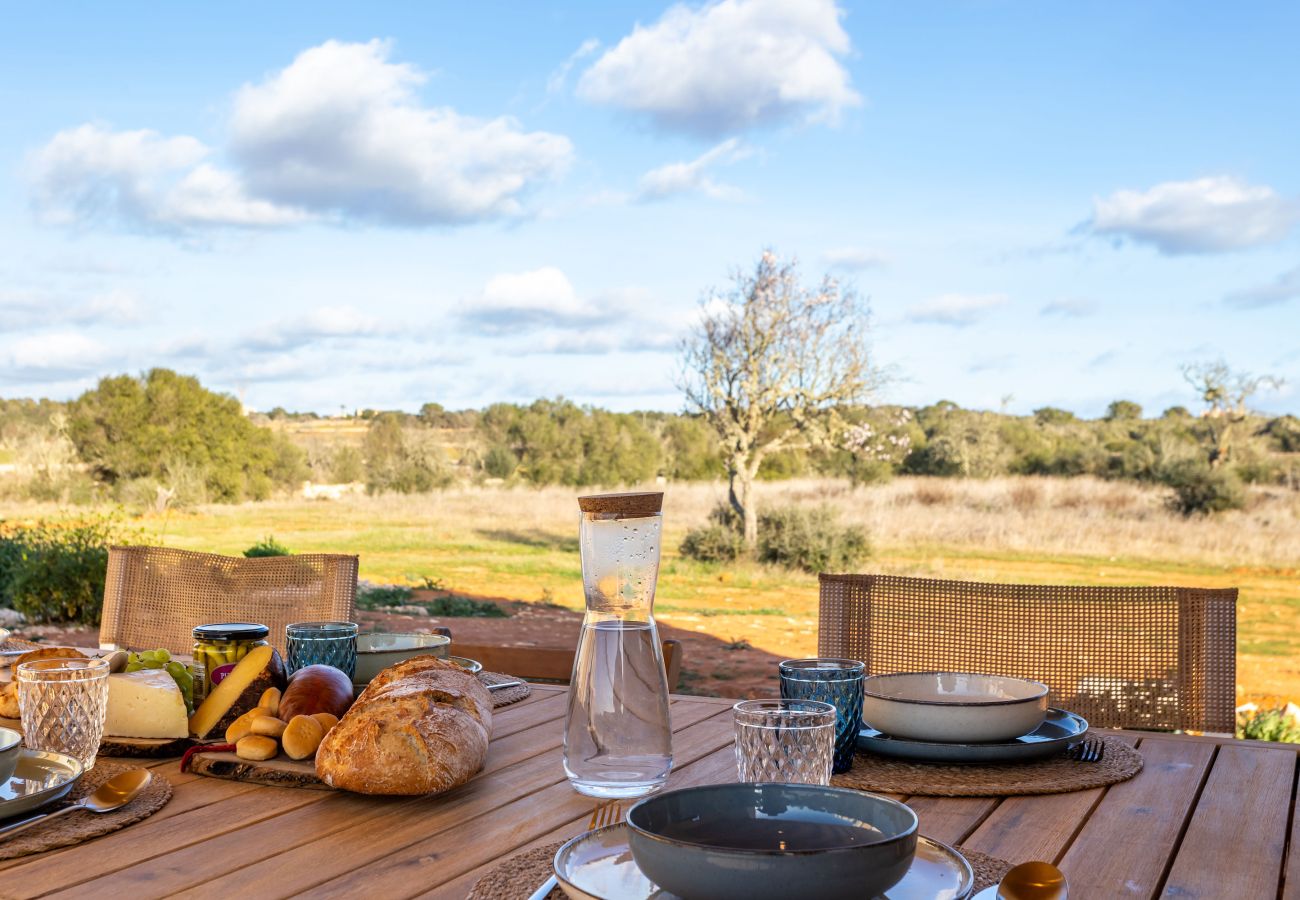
x: 79, y: 826
x: 520, y: 875
x: 1057, y: 775
x: 505, y: 696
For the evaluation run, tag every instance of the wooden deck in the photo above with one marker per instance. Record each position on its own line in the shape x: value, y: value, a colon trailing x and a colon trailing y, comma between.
x: 1205, y: 818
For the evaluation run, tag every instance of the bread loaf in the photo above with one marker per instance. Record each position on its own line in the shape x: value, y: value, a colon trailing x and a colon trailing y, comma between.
x: 314, y: 689
x: 420, y: 727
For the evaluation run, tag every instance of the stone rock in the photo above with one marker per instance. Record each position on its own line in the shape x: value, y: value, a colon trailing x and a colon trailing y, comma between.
x: 11, y: 618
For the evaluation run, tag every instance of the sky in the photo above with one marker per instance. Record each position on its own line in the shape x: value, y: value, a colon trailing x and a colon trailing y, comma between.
x: 333, y: 206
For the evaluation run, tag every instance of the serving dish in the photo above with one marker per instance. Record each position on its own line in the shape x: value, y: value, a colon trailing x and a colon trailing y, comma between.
x: 473, y: 665
x: 1054, y: 734
x: 599, y: 866
x: 769, y: 841
x: 378, y: 651
x: 40, y: 777
x: 955, y: 707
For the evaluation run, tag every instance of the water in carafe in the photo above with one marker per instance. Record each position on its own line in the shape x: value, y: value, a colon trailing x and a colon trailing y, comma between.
x: 617, y: 738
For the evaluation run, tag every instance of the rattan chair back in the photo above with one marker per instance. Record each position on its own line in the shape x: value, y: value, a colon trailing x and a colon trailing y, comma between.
x: 1127, y: 657
x: 154, y: 596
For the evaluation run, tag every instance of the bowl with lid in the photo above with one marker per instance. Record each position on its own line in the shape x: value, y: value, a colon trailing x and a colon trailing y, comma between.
x: 767, y: 841
x: 953, y: 707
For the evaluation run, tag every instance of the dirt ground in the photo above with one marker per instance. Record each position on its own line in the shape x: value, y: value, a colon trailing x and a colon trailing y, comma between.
x: 710, y: 666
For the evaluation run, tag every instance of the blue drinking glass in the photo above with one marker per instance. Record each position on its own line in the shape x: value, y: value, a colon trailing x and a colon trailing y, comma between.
x: 322, y: 643
x: 834, y: 681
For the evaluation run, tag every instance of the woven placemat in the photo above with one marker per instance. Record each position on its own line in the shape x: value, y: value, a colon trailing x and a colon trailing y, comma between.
x: 8, y: 645
x: 520, y: 875
x: 79, y: 826
x: 508, y: 695
x: 1057, y: 775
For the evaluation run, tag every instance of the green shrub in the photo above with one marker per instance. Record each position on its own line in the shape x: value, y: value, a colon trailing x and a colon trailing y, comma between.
x: 1202, y: 490
x: 1268, y: 725
x: 372, y: 596
x: 54, y: 572
x: 809, y: 538
x: 267, y: 546
x: 713, y: 543
x: 465, y: 607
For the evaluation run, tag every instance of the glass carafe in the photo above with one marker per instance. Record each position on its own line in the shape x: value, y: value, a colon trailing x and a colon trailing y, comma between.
x: 617, y: 738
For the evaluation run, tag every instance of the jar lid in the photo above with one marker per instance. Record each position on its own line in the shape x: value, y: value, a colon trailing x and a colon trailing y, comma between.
x: 231, y: 631
x: 624, y: 506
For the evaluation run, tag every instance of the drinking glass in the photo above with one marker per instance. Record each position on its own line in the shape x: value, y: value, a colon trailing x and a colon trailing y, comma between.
x: 324, y: 644
x: 63, y: 703
x: 834, y: 681
x: 790, y: 741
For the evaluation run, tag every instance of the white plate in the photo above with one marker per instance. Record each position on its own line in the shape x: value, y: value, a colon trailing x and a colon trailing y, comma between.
x: 41, y: 777
x: 598, y: 865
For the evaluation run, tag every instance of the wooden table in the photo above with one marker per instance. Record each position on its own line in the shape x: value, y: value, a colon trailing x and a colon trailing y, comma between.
x: 1205, y: 818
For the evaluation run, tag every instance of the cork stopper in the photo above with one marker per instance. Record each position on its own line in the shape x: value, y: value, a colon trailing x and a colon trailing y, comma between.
x: 633, y: 505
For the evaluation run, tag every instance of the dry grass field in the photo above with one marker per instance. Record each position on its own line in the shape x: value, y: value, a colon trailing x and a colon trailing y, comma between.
x: 521, y: 543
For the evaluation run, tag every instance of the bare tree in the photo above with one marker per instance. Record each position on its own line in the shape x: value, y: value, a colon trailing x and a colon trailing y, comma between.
x: 769, y: 364
x: 1224, y: 393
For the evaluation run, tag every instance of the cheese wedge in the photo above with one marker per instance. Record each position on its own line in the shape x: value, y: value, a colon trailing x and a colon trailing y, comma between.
x: 243, y: 685
x: 145, y: 704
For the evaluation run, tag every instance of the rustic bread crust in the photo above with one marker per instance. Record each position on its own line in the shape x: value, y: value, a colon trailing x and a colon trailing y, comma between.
x: 48, y: 653
x: 420, y: 727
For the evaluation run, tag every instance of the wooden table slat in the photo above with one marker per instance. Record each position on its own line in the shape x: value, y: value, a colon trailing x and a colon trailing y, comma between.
x: 1136, y: 826
x: 1234, y: 843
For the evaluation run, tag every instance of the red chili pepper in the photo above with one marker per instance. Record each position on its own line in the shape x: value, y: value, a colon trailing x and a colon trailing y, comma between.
x: 204, y: 748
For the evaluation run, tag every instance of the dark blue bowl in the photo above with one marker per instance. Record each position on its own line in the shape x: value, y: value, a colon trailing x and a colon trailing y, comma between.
x: 761, y: 841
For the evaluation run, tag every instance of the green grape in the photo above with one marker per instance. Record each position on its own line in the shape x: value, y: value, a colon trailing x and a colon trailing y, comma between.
x: 133, y: 666
x: 162, y: 654
x: 184, y: 680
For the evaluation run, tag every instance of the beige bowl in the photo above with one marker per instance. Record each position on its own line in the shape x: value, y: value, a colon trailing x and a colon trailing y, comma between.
x: 953, y: 707
x: 376, y: 652
x: 11, y: 744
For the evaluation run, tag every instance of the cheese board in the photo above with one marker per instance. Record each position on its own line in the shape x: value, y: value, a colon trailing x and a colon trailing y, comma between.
x: 133, y: 748
x: 278, y: 772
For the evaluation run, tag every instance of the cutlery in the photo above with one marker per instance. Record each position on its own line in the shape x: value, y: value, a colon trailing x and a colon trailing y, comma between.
x: 113, y: 794
x: 503, y: 685
x: 607, y: 813
x: 1033, y: 881
x: 1091, y: 750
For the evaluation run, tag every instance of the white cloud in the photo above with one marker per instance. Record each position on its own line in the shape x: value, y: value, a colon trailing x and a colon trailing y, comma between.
x: 57, y: 353
x: 140, y: 179
x: 959, y: 310
x: 693, y: 177
x: 319, y: 324
x: 342, y: 130
x: 115, y: 307
x: 523, y: 301
x: 1283, y: 288
x: 556, y: 80
x: 339, y: 134
x: 728, y: 66
x: 1205, y: 215
x: 1069, y: 307
x: 854, y: 259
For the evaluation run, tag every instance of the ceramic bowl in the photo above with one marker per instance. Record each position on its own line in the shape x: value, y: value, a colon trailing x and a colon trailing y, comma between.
x: 11, y: 744
x: 956, y: 707
x: 771, y: 841
x: 376, y: 652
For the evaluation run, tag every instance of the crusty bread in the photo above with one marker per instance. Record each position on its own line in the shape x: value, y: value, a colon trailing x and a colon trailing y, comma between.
x: 420, y: 727
x: 9, y: 700
x: 48, y: 653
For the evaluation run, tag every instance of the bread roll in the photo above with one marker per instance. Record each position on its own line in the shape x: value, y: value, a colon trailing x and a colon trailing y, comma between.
x: 420, y: 727
x: 302, y: 736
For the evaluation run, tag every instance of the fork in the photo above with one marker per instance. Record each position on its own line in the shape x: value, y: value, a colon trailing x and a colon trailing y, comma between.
x: 1090, y: 751
x: 607, y: 813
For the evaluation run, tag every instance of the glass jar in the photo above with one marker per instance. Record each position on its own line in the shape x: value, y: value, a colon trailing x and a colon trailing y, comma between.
x: 217, y: 648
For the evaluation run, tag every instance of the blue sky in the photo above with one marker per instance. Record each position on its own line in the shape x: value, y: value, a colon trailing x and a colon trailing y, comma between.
x: 325, y: 206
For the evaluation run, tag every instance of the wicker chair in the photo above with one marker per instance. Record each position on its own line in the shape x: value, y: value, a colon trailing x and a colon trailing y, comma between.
x: 1125, y: 657
x: 154, y: 596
